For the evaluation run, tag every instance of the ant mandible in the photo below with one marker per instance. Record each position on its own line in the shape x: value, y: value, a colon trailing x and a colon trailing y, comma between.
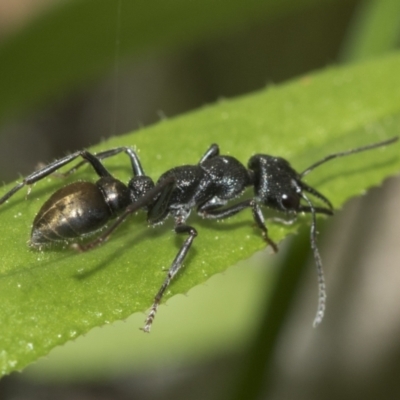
x: 81, y: 208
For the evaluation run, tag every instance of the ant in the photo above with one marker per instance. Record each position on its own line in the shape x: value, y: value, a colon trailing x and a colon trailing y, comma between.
x: 81, y: 208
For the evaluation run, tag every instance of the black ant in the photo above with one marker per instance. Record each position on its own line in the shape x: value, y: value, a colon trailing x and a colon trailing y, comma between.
x: 84, y: 207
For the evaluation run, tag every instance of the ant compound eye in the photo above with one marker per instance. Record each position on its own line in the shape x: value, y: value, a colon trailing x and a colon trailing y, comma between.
x: 290, y: 202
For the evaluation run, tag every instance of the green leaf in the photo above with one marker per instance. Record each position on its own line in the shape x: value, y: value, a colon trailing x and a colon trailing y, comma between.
x: 52, y: 296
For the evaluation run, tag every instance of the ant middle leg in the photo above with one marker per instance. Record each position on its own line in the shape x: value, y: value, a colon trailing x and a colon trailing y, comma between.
x: 173, y: 270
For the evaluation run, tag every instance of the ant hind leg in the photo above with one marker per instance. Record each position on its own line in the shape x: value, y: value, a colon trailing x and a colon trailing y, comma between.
x: 54, y: 166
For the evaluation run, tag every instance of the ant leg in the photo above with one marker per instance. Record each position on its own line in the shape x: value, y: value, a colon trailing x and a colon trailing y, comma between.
x: 210, y: 211
x: 54, y: 166
x: 213, y: 151
x: 260, y: 221
x: 173, y: 270
x: 318, y: 210
x: 136, y: 166
x: 284, y: 221
x: 215, y: 211
x: 161, y: 189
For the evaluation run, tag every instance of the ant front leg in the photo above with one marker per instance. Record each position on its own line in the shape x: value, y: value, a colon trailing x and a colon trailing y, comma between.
x: 260, y: 221
x: 54, y: 166
x: 318, y: 210
x: 285, y: 221
x: 180, y: 228
x: 214, y: 211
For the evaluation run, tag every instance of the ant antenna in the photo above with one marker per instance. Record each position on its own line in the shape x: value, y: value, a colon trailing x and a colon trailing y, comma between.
x: 318, y: 261
x: 313, y: 232
x: 348, y: 152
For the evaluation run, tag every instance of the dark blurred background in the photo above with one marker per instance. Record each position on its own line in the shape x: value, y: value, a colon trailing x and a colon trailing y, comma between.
x: 163, y: 83
x: 356, y: 351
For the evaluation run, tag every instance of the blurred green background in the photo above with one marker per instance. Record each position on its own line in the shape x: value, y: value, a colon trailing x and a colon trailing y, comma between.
x: 75, y: 72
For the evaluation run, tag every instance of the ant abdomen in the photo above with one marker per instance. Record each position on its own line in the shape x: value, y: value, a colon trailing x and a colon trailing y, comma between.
x: 78, y: 209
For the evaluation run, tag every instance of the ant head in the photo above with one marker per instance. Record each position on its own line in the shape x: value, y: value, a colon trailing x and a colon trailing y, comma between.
x: 139, y: 186
x: 276, y: 184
